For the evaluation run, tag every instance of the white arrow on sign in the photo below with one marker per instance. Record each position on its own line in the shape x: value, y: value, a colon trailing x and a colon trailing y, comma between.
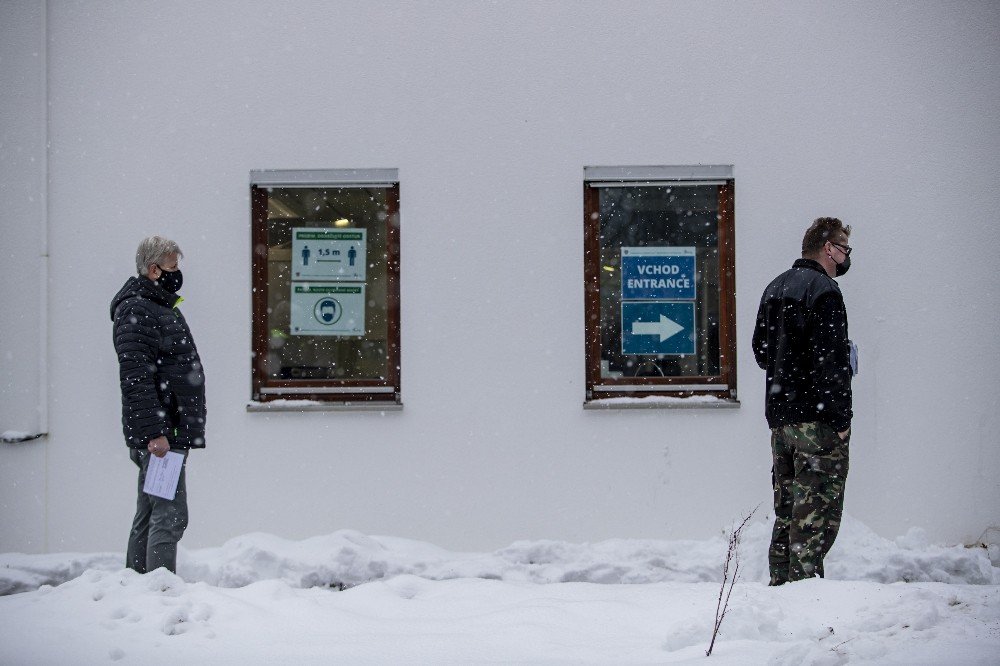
x: 665, y: 328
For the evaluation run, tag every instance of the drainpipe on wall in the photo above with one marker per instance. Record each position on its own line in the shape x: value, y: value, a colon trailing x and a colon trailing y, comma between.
x: 43, y: 261
x: 43, y: 282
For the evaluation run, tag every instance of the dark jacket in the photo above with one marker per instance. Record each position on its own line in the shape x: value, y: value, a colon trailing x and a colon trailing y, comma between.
x: 162, y: 381
x: 801, y: 341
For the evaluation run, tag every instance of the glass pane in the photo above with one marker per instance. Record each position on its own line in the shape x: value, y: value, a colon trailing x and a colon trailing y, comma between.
x: 327, y: 283
x: 659, y: 281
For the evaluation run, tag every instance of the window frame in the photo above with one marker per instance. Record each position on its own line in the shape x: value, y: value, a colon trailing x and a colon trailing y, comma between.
x: 356, y: 393
x: 723, y: 385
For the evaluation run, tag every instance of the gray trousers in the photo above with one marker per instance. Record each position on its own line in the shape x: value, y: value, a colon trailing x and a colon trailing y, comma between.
x: 159, y: 523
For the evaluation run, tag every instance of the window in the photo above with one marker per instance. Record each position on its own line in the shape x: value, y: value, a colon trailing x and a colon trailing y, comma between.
x: 325, y: 248
x: 660, y: 285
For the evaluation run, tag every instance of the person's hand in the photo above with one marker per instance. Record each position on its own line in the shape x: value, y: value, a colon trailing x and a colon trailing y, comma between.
x: 159, y: 446
x: 843, y: 435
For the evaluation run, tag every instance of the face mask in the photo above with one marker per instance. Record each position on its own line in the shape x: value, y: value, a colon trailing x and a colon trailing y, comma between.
x: 841, y: 268
x: 170, y: 280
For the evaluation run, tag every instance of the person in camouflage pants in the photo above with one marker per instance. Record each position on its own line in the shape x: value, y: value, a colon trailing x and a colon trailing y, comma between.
x: 801, y: 341
x: 809, y: 473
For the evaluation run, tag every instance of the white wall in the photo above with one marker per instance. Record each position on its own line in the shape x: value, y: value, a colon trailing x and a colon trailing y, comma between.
x: 884, y: 115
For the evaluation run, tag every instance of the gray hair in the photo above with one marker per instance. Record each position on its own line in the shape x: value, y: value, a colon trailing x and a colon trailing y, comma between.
x: 154, y: 250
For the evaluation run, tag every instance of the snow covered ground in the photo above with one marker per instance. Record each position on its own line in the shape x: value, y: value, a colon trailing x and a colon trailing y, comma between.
x: 262, y: 599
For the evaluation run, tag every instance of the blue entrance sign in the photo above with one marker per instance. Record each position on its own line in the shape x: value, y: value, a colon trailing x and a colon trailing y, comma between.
x: 658, y: 327
x: 658, y: 273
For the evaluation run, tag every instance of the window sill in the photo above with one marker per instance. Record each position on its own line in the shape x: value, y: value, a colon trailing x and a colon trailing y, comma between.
x: 314, y: 406
x: 662, y: 402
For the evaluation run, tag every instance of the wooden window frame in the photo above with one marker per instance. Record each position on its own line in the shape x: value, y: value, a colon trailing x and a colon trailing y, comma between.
x: 723, y: 385
x: 348, y: 392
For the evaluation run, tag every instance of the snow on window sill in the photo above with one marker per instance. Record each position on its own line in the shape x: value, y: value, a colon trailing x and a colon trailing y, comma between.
x: 283, y: 405
x: 664, y: 402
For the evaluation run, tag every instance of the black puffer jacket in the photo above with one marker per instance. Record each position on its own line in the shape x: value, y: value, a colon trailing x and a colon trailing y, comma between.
x: 801, y: 341
x: 162, y: 380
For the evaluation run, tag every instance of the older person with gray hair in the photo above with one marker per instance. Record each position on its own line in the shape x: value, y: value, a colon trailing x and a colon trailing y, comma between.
x: 163, y: 394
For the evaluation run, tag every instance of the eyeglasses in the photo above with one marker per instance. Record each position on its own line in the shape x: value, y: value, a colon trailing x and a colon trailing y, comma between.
x: 846, y: 249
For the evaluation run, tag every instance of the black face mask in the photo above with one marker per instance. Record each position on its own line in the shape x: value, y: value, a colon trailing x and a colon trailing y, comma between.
x: 170, y: 280
x: 841, y: 267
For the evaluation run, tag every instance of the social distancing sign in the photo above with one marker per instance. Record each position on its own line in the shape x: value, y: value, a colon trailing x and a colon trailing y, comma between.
x: 328, y: 281
x: 329, y: 254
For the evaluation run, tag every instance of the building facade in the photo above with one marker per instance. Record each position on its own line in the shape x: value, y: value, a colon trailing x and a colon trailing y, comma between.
x: 565, y: 213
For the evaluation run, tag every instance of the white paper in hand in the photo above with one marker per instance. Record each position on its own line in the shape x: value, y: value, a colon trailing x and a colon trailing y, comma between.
x: 162, y: 475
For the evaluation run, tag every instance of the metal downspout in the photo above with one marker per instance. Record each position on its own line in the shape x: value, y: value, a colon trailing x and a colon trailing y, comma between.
x: 43, y: 282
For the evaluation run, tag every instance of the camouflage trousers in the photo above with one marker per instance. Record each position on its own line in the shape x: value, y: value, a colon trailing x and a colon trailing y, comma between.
x: 809, y: 473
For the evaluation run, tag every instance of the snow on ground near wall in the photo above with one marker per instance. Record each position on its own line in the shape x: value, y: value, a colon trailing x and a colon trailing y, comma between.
x: 262, y: 599
x: 347, y: 558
